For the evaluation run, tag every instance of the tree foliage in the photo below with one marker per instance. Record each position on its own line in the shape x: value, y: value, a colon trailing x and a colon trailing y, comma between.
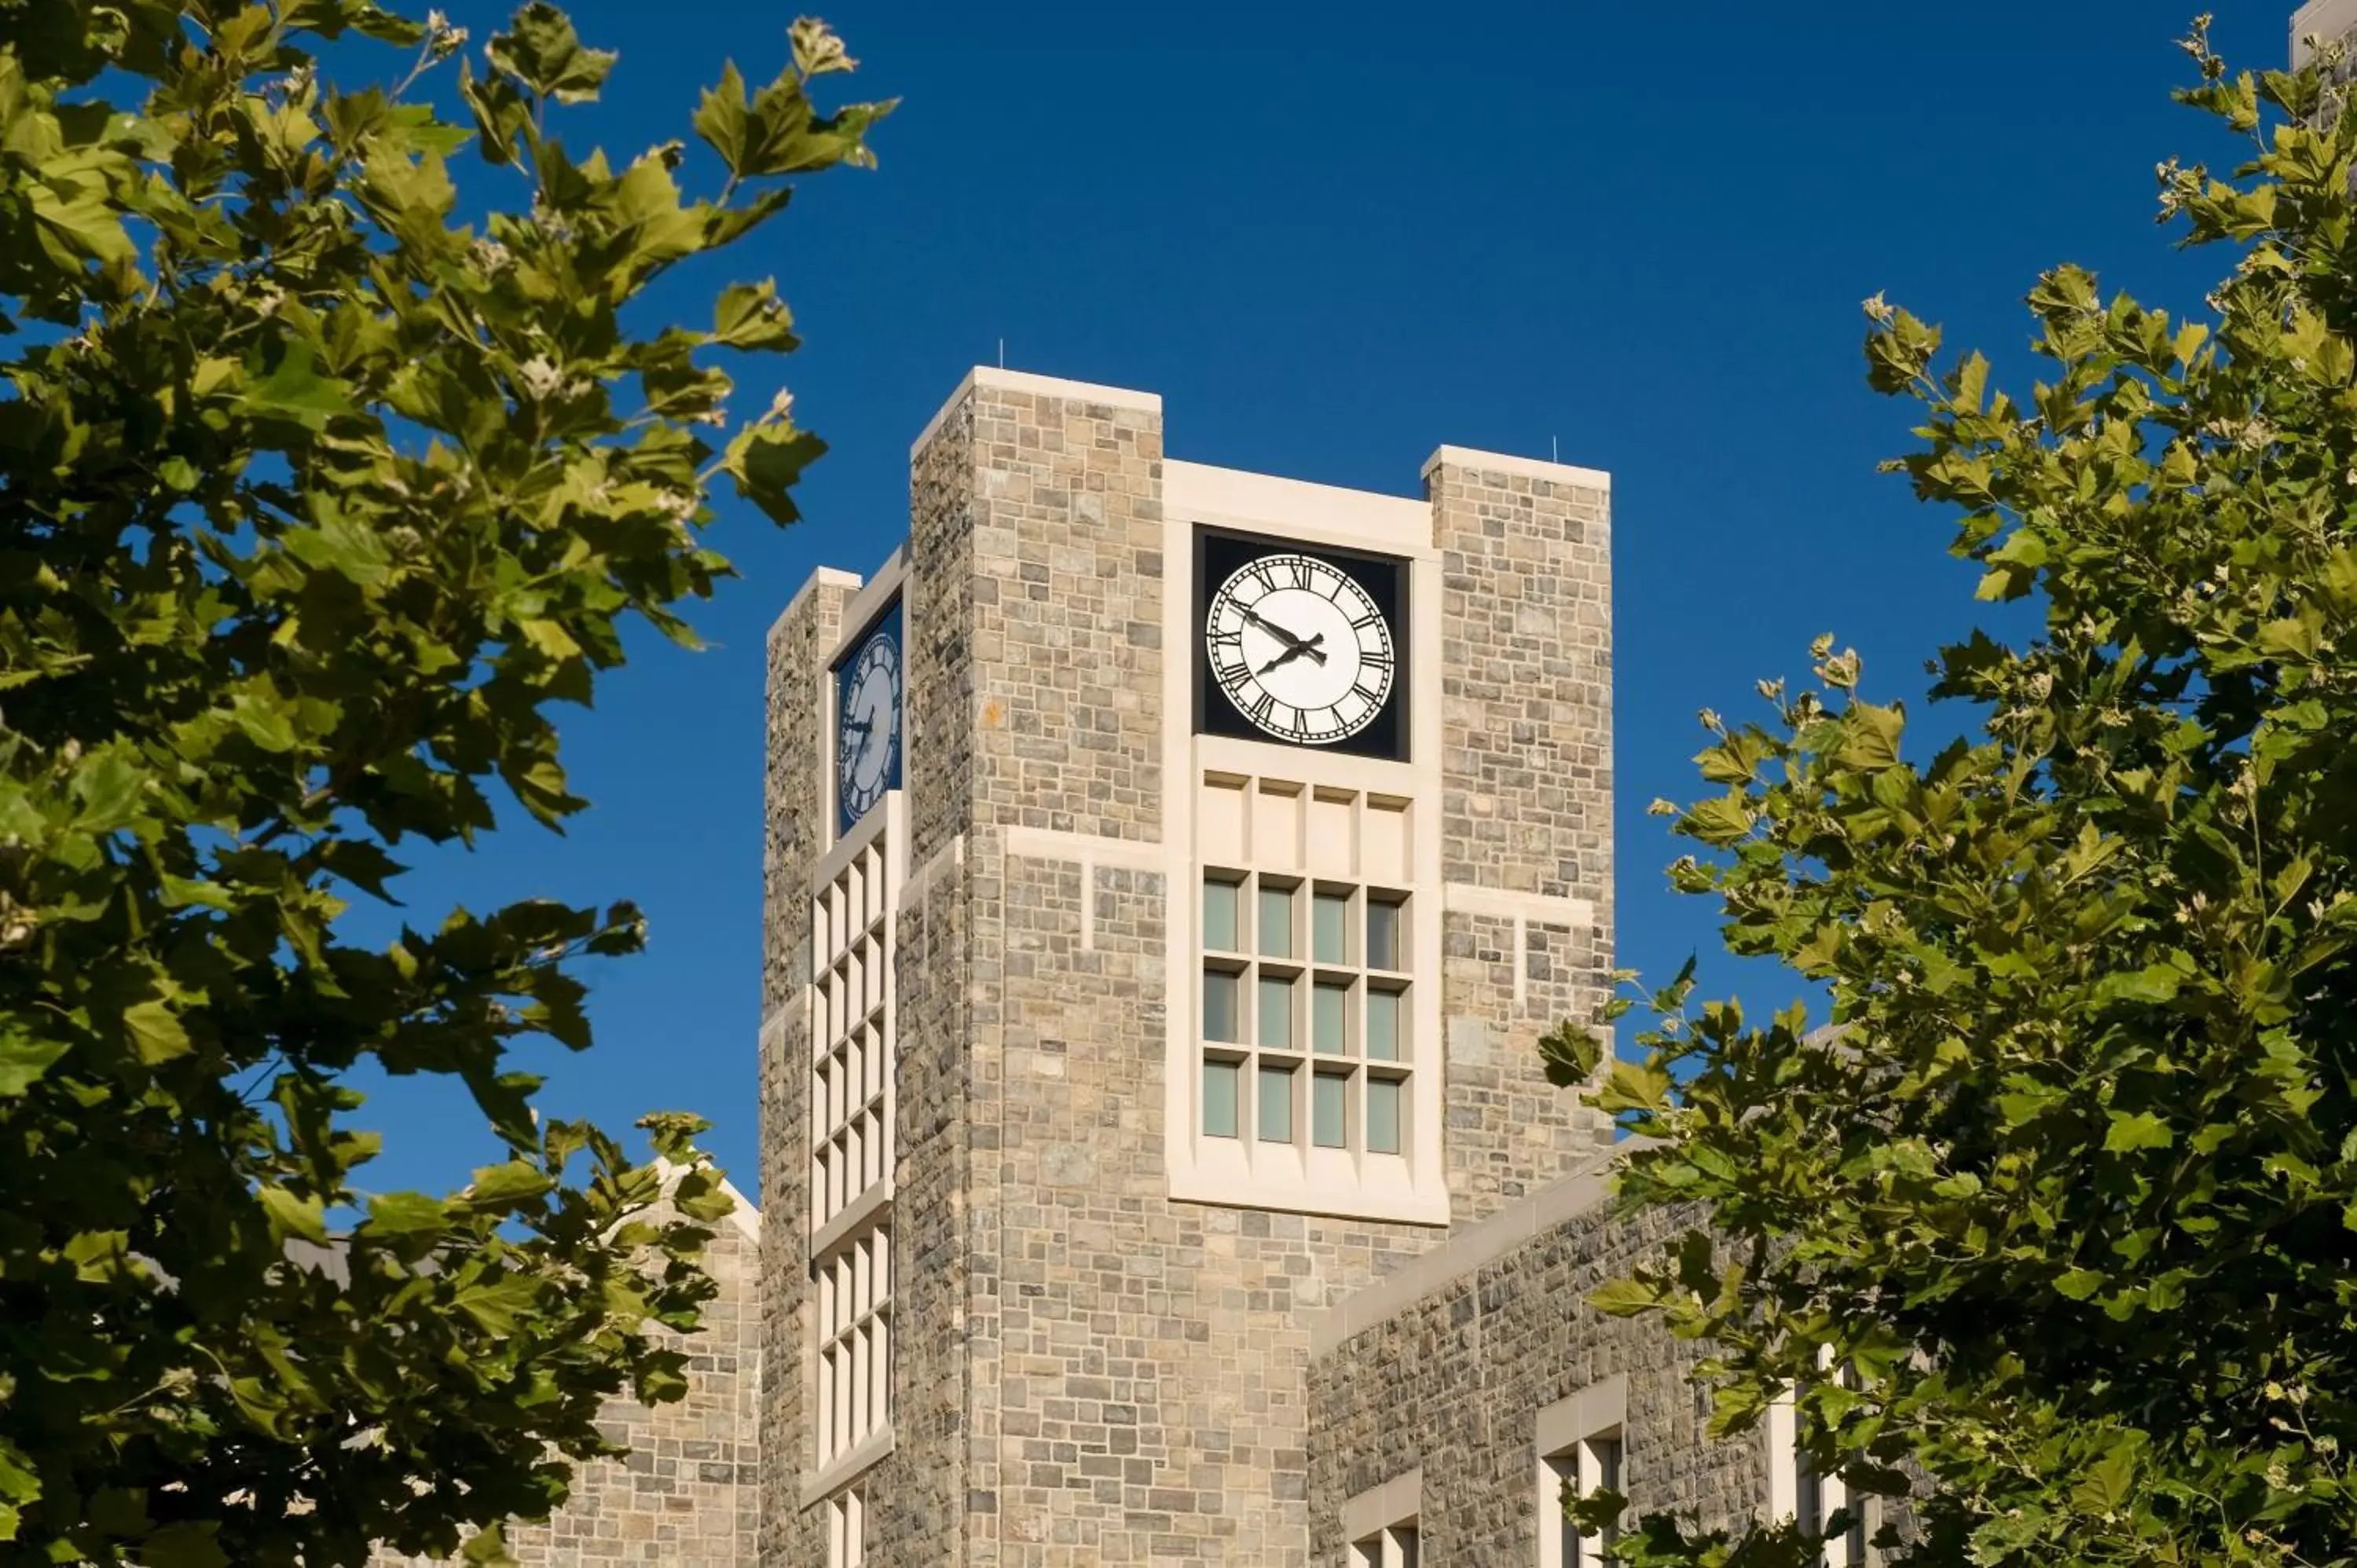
x: 2070, y: 1188
x: 313, y: 502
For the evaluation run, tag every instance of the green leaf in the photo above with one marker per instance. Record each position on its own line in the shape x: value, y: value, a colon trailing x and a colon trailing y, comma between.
x: 1870, y: 735
x: 157, y: 1033
x: 2141, y: 1131
x: 1623, y: 1298
x: 291, y: 1216
x: 405, y: 1214
x: 506, y: 1186
x: 767, y: 462
x: 2079, y: 1283
x: 24, y: 1057
x: 542, y: 51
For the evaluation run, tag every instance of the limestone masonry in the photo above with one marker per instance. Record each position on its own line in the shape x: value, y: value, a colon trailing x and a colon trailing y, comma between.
x: 1169, y: 872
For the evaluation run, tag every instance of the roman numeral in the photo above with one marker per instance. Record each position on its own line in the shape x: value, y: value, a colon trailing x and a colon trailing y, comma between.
x: 1262, y: 707
x: 1380, y: 659
x: 1372, y: 618
x: 1262, y: 573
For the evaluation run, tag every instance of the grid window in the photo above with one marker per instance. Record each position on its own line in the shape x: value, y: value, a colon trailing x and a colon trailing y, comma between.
x: 1330, y: 928
x: 1222, y: 1019
x: 1220, y: 1099
x: 851, y: 1089
x: 1591, y: 1465
x: 1276, y: 922
x: 1220, y: 932
x: 1275, y: 1104
x: 853, y: 1284
x: 1393, y: 1547
x: 1321, y: 1046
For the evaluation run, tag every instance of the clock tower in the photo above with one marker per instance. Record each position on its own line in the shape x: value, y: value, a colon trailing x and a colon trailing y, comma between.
x: 1169, y: 872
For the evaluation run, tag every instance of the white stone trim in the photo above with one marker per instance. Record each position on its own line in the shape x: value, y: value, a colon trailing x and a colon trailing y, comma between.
x: 832, y: 577
x: 1411, y: 1187
x: 1595, y: 1409
x: 1038, y: 386
x: 1558, y: 1203
x: 2325, y: 19
x: 817, y: 1484
x: 861, y: 1213
x: 1529, y: 468
x: 1089, y: 850
x: 862, y: 608
x: 1398, y: 1502
x: 1526, y: 911
x: 1295, y: 509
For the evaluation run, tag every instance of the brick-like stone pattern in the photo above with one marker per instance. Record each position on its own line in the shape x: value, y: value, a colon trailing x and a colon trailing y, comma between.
x: 796, y: 837
x: 688, y: 1495
x: 1526, y: 807
x: 1088, y: 1372
x: 1454, y: 1384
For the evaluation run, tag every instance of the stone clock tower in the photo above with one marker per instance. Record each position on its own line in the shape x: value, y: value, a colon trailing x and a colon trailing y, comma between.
x: 1169, y: 870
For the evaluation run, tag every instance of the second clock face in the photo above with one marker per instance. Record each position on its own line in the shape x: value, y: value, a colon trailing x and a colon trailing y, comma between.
x: 1300, y: 648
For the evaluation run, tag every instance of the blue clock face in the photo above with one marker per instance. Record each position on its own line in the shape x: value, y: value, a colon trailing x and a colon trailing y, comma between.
x: 867, y: 721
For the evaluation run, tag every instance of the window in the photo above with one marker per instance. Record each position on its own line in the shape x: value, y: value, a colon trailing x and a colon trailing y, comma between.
x: 1797, y: 1490
x: 854, y: 1339
x: 1591, y: 1465
x: 1323, y: 1044
x: 851, y: 1157
x: 1579, y: 1449
x: 846, y: 1530
x: 851, y: 1089
x: 1381, y: 1524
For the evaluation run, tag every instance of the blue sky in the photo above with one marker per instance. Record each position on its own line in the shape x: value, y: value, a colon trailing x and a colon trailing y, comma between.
x: 1333, y: 238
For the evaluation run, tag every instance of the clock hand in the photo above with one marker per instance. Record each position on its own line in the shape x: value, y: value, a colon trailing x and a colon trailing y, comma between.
x: 1295, y: 646
x: 1296, y: 651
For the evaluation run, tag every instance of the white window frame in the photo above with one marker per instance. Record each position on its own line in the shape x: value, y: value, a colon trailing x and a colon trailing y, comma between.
x: 1796, y: 1491
x: 850, y: 1234
x: 1382, y: 1523
x: 1579, y: 1441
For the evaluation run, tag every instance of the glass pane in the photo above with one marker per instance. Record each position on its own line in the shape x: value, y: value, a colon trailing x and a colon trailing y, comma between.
x: 1328, y: 1125
x: 1220, y: 915
x: 1222, y: 1019
x: 1276, y: 922
x: 1383, y: 1026
x: 1276, y: 1015
x: 1329, y: 925
x: 1276, y: 1105
x: 1220, y: 1099
x: 1404, y: 1538
x: 1382, y: 934
x: 1384, y: 1115
x: 1326, y: 1004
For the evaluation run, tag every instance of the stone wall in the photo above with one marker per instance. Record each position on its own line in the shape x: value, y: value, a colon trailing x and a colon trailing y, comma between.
x: 796, y: 835
x: 1526, y: 807
x: 688, y: 1495
x: 1446, y: 1367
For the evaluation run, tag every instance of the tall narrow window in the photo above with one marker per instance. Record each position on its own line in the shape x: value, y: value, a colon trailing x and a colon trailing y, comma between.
x: 1579, y: 1453
x: 851, y: 1160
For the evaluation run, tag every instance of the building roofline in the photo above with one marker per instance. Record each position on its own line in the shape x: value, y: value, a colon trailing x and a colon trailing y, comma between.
x: 1581, y: 1192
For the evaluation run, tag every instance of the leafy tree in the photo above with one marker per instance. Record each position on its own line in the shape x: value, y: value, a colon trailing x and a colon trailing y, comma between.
x: 312, y: 503
x: 2070, y: 1188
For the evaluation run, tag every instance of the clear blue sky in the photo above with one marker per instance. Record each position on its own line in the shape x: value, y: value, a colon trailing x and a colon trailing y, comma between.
x: 1332, y: 237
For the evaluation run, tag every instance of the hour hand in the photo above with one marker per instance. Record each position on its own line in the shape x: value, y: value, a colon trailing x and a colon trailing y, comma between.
x: 1296, y: 651
x: 1295, y: 646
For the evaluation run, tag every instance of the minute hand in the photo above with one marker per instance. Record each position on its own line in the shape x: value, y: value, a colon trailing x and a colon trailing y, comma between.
x: 1294, y: 647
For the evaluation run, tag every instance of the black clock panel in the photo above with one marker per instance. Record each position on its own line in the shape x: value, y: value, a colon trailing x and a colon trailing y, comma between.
x: 1301, y: 644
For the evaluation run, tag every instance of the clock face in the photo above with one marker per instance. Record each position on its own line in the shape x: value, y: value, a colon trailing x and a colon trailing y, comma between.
x: 867, y: 722
x: 1301, y: 645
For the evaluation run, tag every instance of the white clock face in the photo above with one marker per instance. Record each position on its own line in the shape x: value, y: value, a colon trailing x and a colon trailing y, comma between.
x: 1300, y: 648
x: 868, y: 729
